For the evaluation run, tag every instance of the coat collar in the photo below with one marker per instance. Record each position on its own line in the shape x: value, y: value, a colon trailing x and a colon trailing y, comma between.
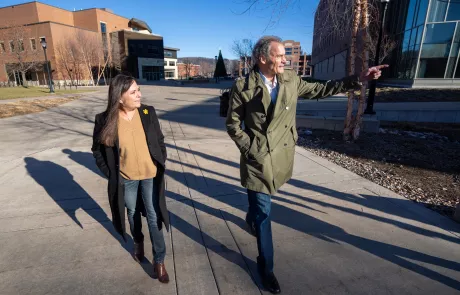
x: 253, y: 79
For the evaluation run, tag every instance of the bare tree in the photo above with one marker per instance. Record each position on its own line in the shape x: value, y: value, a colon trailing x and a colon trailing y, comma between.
x: 188, y: 67
x: 24, y: 54
x: 206, y: 68
x: 333, y: 19
x: 234, y: 66
x: 68, y: 60
x: 356, y: 20
x: 243, y: 49
x: 116, y: 59
x: 83, y: 56
x: 364, y: 65
x: 351, y: 67
x: 369, y: 38
x: 88, y: 49
x: 101, y: 59
x: 278, y: 8
x: 388, y: 45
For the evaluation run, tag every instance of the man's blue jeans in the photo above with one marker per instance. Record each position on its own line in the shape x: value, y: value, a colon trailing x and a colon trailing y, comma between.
x: 150, y: 198
x: 259, y: 213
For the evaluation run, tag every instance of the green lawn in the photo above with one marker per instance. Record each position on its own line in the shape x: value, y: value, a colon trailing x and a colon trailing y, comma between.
x: 21, y: 92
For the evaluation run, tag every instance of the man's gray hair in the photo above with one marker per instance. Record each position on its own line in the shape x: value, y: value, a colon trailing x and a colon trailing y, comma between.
x: 262, y: 48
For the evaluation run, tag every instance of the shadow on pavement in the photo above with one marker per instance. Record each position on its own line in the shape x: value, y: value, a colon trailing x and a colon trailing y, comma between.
x: 70, y: 196
x: 331, y: 233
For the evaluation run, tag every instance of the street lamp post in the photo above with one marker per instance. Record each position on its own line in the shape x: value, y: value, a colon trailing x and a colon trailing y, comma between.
x: 215, y: 57
x: 370, y: 101
x: 43, y: 43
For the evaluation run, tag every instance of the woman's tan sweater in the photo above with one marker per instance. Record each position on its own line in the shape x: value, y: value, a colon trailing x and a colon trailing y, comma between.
x: 135, y: 160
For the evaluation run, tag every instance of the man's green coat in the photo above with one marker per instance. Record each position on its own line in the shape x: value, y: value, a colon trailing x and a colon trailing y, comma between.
x: 267, y: 140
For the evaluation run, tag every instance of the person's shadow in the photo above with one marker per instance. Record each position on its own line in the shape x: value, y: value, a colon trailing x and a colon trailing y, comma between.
x: 83, y: 158
x: 70, y: 196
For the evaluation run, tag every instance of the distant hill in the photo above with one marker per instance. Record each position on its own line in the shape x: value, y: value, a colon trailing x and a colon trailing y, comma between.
x: 208, y: 64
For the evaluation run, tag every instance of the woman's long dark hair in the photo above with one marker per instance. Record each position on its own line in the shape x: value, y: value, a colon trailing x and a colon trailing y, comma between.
x: 118, y: 86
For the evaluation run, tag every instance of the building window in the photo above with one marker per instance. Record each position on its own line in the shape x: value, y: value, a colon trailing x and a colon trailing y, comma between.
x: 152, y: 49
x: 104, y: 38
x: 21, y: 45
x: 169, y: 74
x: 435, y: 50
x: 103, y: 28
x: 168, y: 53
x: 422, y: 10
x: 2, y: 47
x: 12, y: 46
x: 406, y: 39
x: 438, y: 10
x: 454, y: 57
x: 132, y: 49
x: 172, y: 63
x: 454, y: 11
x: 410, y: 14
x: 33, y: 44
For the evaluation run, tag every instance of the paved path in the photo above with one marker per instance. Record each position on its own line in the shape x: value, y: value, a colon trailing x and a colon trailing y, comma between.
x: 334, y: 232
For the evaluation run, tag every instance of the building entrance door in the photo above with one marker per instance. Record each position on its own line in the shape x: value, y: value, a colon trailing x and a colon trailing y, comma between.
x: 150, y: 73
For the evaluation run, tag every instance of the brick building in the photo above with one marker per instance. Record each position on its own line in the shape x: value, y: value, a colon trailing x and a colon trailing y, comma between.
x: 293, y: 53
x: 128, y: 41
x: 305, y: 69
x: 193, y: 70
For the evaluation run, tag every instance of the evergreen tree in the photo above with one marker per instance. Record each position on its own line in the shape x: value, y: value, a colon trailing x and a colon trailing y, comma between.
x: 220, y: 70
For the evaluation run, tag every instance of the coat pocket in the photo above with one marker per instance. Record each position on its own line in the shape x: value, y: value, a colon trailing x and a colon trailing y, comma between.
x: 253, y: 148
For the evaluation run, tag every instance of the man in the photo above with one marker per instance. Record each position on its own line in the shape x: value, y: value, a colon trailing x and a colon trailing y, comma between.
x: 265, y: 101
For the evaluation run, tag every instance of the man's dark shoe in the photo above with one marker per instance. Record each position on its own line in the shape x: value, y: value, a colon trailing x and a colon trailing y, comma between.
x: 251, y: 225
x: 160, y: 273
x: 138, y: 254
x: 270, y: 283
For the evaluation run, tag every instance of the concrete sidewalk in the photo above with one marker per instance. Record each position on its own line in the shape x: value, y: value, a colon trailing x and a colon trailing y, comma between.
x: 334, y: 232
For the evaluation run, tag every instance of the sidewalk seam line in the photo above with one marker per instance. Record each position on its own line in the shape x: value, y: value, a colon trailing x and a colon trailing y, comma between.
x: 241, y: 252
x: 199, y: 225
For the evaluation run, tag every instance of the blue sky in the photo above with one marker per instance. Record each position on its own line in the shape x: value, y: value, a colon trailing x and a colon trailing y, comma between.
x: 201, y: 27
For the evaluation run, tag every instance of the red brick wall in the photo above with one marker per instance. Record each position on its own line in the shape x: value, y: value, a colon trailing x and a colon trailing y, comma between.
x: 181, y: 70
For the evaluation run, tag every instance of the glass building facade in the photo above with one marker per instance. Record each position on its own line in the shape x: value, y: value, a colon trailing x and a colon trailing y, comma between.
x: 428, y: 37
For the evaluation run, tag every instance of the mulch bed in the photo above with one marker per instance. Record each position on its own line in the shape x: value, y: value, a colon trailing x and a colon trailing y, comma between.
x: 24, y: 107
x: 421, y: 166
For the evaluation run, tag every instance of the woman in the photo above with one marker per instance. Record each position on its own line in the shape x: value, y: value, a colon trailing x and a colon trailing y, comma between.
x: 129, y: 149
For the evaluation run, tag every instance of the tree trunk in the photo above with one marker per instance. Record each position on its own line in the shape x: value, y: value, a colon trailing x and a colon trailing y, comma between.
x: 365, y: 62
x: 24, y: 82
x: 351, y: 69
